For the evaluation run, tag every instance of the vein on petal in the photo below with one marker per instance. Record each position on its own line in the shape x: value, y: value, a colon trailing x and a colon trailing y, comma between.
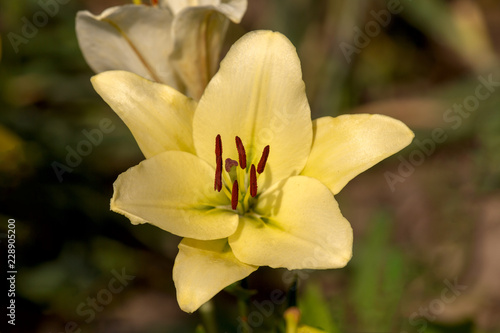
x: 172, y: 206
x: 136, y: 51
x: 274, y: 224
x: 257, y: 89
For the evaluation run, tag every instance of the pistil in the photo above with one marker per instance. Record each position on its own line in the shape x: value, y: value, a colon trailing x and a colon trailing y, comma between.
x: 241, y: 179
x: 230, y: 163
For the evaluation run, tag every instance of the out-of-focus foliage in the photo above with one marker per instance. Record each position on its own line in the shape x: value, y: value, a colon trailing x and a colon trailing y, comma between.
x: 426, y: 221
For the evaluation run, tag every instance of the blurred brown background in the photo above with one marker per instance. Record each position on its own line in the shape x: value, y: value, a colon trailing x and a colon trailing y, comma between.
x: 426, y: 221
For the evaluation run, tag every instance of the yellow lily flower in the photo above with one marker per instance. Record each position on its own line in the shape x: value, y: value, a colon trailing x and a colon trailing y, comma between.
x: 173, y: 42
x: 244, y: 175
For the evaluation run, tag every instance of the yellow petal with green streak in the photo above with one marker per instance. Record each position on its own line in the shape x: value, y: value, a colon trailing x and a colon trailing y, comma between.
x: 300, y: 227
x: 174, y: 191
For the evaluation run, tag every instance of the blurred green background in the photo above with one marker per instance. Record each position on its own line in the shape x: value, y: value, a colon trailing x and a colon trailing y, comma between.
x: 426, y: 221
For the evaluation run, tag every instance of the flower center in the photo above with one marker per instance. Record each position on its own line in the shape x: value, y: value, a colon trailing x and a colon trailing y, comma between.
x: 239, y: 184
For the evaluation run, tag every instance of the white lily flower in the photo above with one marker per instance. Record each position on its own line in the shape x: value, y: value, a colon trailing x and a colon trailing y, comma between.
x: 177, y: 43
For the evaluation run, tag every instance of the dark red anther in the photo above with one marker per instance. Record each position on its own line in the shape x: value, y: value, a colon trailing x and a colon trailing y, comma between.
x: 253, y: 181
x: 218, y: 160
x: 218, y: 147
x: 234, y: 195
x: 263, y: 160
x: 242, y: 156
x: 218, y: 176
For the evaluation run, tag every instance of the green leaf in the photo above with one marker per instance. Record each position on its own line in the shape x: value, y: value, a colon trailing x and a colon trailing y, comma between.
x: 316, y: 311
x: 378, y: 279
x: 200, y: 329
x: 309, y: 329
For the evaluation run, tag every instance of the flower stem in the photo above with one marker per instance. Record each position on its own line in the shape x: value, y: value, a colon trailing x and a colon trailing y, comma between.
x: 243, y: 307
x: 292, y: 292
x: 207, y: 314
x: 292, y: 314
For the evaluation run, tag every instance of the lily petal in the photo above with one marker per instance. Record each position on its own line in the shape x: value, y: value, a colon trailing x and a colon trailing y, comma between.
x: 159, y: 117
x: 347, y: 145
x: 257, y: 94
x: 174, y: 191
x: 199, y: 32
x: 202, y: 269
x: 122, y: 39
x: 176, y: 6
x: 300, y: 227
x: 233, y: 9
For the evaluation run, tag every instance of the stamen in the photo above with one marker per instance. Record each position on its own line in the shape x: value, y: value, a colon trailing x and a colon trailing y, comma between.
x: 230, y: 163
x: 218, y: 147
x: 218, y: 176
x: 242, y: 156
x: 234, y: 195
x: 253, y: 181
x: 218, y: 160
x: 263, y: 160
